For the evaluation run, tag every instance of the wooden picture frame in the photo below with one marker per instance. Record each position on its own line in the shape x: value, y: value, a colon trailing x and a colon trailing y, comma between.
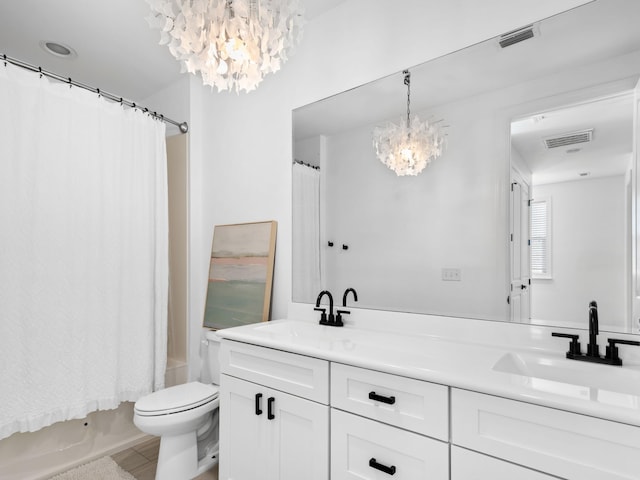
x: 240, y: 274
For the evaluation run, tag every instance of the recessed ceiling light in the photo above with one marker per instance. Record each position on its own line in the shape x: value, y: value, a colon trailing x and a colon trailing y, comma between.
x: 584, y: 174
x: 574, y: 150
x: 58, y: 49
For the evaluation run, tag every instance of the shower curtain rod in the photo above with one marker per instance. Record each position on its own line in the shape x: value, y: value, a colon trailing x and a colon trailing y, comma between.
x: 183, y: 126
x: 299, y: 162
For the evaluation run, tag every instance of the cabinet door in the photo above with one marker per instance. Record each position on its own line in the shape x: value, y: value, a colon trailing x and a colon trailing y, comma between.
x: 468, y: 465
x: 287, y: 440
x: 301, y: 431
x: 244, y: 444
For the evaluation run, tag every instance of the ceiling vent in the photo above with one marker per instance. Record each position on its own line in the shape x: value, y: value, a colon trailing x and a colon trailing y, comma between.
x: 517, y: 36
x: 583, y: 136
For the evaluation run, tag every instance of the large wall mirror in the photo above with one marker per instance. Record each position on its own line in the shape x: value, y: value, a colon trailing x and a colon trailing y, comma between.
x: 527, y: 215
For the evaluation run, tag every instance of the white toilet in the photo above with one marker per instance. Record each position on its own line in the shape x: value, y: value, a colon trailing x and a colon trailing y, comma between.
x: 185, y: 417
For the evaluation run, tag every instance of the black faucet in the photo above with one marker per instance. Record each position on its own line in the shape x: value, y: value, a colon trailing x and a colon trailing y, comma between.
x: 323, y: 317
x: 593, y: 351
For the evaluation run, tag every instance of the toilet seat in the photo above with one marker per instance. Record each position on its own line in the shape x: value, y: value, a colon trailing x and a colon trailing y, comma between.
x: 176, y: 399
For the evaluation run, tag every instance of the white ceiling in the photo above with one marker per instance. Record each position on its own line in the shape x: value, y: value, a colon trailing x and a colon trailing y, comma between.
x: 607, y: 154
x: 117, y: 51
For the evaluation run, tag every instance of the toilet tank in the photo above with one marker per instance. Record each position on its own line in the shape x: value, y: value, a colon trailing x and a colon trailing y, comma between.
x: 212, y: 358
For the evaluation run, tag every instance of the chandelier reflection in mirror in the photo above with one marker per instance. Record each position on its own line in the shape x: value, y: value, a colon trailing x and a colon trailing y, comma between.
x: 233, y: 44
x: 409, y: 147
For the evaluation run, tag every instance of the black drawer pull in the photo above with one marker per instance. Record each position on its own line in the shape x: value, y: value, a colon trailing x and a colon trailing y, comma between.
x: 258, y: 409
x: 383, y: 468
x: 383, y: 399
x: 270, y: 414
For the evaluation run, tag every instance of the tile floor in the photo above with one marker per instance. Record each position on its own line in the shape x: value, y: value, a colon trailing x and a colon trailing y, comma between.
x: 140, y: 461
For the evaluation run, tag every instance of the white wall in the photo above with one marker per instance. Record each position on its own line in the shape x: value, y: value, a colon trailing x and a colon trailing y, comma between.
x: 588, y: 253
x: 309, y: 150
x: 244, y: 162
x: 172, y: 102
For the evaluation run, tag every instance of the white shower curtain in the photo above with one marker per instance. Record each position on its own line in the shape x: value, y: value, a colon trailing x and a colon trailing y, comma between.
x: 307, y: 276
x: 83, y: 252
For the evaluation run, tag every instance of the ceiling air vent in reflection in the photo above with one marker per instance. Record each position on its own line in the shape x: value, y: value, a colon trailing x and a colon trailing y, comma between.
x: 517, y: 36
x: 583, y: 136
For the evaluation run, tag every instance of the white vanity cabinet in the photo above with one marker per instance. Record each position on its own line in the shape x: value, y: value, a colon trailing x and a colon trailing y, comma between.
x: 287, y: 416
x: 386, y: 426
x: 274, y: 417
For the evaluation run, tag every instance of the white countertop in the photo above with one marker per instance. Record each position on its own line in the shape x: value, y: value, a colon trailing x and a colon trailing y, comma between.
x: 603, y: 391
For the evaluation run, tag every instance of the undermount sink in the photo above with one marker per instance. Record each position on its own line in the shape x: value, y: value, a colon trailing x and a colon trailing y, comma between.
x: 570, y: 377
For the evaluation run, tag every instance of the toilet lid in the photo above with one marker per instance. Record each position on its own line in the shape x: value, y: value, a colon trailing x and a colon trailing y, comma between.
x: 176, y: 399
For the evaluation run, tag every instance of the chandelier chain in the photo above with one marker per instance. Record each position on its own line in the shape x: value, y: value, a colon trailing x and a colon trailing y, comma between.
x: 407, y: 82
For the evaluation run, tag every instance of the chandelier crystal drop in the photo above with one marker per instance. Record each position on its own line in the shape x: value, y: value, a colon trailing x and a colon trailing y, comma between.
x: 408, y: 147
x: 233, y: 44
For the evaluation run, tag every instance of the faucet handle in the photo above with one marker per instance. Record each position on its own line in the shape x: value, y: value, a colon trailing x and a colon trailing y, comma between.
x: 339, y: 313
x: 323, y: 316
x: 574, y: 346
x: 612, y: 350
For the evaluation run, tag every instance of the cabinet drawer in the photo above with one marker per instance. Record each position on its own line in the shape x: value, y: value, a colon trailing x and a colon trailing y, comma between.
x: 415, y: 405
x: 299, y: 375
x: 468, y: 465
x: 359, y: 445
x: 560, y: 443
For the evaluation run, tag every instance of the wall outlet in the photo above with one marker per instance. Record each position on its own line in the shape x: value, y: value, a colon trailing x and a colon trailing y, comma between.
x: 451, y: 274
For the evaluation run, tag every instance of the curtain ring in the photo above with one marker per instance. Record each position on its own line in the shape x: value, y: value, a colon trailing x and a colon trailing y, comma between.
x: 98, y: 92
x: 5, y: 59
x: 69, y: 82
x: 39, y: 70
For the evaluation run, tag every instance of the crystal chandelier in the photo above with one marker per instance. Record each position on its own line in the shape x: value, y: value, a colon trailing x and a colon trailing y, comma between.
x: 410, y: 146
x: 232, y: 43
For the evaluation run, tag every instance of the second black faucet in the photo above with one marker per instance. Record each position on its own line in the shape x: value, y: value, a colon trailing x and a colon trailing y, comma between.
x: 593, y: 350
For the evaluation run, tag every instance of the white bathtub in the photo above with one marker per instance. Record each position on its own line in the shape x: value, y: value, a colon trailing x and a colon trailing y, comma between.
x: 64, y: 445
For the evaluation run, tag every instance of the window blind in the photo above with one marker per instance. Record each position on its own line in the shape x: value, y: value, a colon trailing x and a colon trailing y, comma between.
x: 540, y: 239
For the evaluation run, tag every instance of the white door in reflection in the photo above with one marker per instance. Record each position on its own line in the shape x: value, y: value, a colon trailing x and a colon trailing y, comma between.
x: 519, y: 298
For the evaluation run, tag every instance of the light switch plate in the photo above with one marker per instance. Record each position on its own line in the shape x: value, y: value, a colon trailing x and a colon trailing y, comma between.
x: 451, y: 274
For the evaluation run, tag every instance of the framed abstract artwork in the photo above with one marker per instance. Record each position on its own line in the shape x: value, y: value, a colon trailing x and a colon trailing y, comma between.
x: 240, y: 274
